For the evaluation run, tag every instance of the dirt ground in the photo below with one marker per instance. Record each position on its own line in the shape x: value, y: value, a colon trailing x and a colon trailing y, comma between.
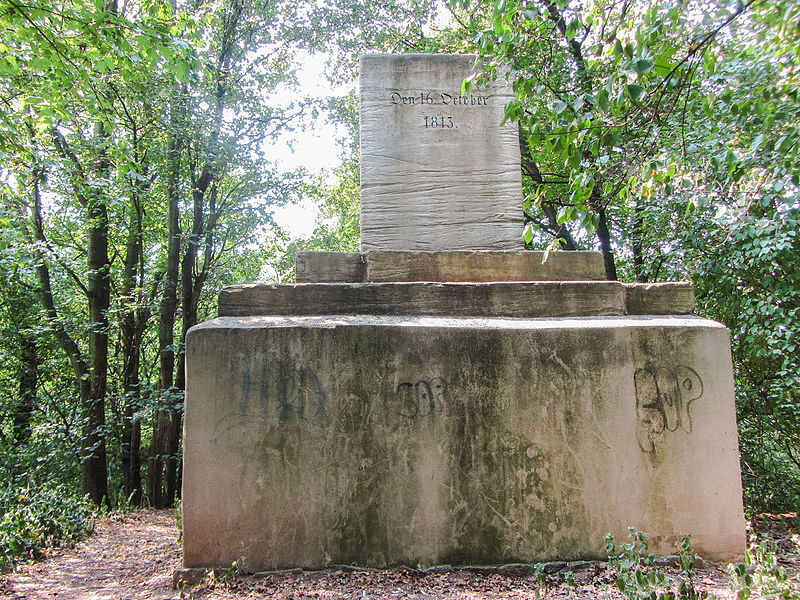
x: 133, y: 556
x: 129, y: 556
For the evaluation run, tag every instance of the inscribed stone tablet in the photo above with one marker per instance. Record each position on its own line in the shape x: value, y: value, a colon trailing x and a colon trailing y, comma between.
x: 438, y: 170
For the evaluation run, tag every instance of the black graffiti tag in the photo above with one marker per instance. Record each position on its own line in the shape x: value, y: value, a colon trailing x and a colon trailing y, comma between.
x: 421, y: 398
x: 663, y: 401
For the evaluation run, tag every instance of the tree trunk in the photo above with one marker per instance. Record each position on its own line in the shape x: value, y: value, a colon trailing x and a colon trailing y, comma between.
x: 91, y: 378
x: 604, y: 235
x: 131, y: 326
x: 28, y: 379
x: 530, y: 168
x: 94, y: 474
x: 637, y: 246
x: 166, y: 435
x: 164, y: 416
x: 191, y: 287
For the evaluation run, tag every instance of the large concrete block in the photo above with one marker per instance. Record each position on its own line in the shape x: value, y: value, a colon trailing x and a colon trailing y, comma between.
x: 399, y: 265
x: 329, y: 267
x: 372, y: 440
x: 505, y: 299
x: 669, y: 298
x: 438, y: 170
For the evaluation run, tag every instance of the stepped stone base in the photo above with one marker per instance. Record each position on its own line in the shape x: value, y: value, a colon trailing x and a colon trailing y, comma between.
x: 503, y: 299
x: 479, y: 265
x: 381, y: 440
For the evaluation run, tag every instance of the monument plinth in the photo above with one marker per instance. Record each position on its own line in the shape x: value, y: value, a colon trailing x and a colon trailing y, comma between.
x: 438, y: 399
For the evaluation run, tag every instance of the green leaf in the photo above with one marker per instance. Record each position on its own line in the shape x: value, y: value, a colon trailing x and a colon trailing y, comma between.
x: 181, y: 70
x: 642, y: 65
x: 628, y: 50
x: 602, y: 99
x: 559, y: 106
x: 528, y: 234
x: 466, y: 85
x: 635, y: 91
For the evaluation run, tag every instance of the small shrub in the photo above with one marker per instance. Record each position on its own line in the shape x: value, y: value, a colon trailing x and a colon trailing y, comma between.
x: 637, y: 576
x: 761, y: 573
x: 33, y: 520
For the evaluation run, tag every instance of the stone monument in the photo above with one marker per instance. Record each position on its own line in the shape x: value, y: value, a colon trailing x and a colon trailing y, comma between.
x: 438, y: 171
x: 440, y: 398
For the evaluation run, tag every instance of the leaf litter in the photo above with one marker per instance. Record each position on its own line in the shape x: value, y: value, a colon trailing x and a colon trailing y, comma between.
x: 133, y: 556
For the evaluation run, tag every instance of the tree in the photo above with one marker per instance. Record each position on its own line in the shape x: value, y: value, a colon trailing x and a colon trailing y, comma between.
x: 669, y: 131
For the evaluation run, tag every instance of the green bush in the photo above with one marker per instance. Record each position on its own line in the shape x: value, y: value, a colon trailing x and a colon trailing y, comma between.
x: 33, y: 520
x: 636, y: 575
x: 762, y: 573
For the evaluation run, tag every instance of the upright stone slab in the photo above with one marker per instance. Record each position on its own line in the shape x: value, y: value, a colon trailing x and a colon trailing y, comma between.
x: 438, y: 170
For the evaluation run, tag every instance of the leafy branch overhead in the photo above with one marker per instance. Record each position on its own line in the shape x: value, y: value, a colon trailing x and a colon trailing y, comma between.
x: 667, y: 134
x: 610, y: 95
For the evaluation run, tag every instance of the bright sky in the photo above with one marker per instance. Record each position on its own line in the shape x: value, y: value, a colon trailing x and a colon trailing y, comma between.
x: 315, y: 149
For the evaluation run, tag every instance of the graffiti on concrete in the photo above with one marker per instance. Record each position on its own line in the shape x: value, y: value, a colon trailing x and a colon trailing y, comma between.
x: 663, y: 402
x: 425, y: 397
x: 270, y: 393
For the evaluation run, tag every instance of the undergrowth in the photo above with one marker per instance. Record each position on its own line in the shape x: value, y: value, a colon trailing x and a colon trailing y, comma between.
x: 637, y: 576
x: 635, y: 573
x: 32, y: 521
x: 763, y: 574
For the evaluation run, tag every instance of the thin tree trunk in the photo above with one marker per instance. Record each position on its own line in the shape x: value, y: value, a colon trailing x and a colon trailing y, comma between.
x: 28, y: 379
x: 191, y: 288
x: 560, y: 232
x: 166, y: 437
x: 90, y: 378
x: 604, y: 235
x: 94, y: 473
x: 636, y: 244
x: 131, y: 339
x: 164, y: 416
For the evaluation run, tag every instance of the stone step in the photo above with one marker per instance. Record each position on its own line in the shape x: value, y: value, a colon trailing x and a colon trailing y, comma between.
x: 483, y: 266
x: 401, y: 265
x: 330, y: 267
x: 496, y: 299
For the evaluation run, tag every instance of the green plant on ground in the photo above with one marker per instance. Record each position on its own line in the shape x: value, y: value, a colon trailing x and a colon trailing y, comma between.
x: 543, y: 585
x: 32, y: 520
x: 638, y: 577
x: 762, y: 573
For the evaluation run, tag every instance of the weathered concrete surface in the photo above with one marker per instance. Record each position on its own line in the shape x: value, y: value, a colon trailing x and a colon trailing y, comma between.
x: 438, y: 171
x: 483, y: 266
x: 329, y: 267
x: 389, y: 440
x: 670, y: 298
x: 464, y: 265
x: 505, y: 299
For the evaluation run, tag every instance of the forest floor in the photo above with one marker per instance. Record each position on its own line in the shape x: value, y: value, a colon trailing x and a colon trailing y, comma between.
x: 133, y: 556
